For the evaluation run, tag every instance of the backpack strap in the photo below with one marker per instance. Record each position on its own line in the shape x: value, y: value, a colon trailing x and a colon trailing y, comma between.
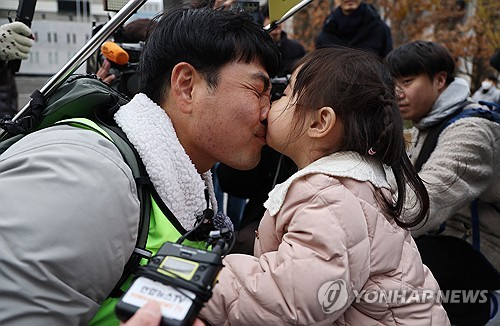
x: 430, y: 144
x: 143, y: 184
x: 432, y: 137
x: 491, y: 105
x: 144, y: 187
x: 434, y: 132
x: 475, y: 224
x: 26, y: 123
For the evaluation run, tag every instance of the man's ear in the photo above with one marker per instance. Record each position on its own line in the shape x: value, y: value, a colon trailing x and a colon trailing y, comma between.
x: 440, y: 80
x: 181, y: 83
x: 322, y: 122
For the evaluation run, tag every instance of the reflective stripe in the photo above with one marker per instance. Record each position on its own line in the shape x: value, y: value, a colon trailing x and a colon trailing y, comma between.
x: 85, y: 124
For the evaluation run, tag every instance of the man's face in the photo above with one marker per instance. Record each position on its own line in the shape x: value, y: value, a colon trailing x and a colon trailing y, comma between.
x: 416, y: 95
x: 228, y: 124
x: 349, y: 6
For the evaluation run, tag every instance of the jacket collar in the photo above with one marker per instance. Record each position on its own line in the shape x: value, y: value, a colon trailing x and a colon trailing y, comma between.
x: 170, y: 169
x: 340, y: 164
x: 449, y: 101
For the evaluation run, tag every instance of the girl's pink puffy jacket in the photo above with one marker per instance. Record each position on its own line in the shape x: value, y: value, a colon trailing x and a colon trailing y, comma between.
x: 327, y: 256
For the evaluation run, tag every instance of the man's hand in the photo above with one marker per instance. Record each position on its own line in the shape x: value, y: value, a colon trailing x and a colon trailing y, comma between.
x: 16, y: 41
x: 150, y: 315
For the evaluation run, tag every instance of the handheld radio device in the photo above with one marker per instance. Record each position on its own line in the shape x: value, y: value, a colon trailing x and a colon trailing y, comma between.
x: 179, y: 278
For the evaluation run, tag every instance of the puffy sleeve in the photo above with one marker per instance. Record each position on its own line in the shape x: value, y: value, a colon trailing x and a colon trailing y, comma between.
x: 68, y: 224
x: 322, y: 237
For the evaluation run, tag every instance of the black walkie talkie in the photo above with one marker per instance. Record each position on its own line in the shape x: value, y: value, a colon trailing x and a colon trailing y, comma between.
x: 179, y: 278
x: 24, y: 14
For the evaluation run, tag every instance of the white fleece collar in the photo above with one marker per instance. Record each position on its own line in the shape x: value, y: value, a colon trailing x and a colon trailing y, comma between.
x: 341, y: 164
x: 170, y: 169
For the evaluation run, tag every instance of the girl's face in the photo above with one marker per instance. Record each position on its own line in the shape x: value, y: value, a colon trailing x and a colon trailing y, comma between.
x: 280, y: 135
x: 303, y: 140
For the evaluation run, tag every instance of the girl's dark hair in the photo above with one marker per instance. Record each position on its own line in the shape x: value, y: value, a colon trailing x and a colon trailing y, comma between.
x: 359, y: 87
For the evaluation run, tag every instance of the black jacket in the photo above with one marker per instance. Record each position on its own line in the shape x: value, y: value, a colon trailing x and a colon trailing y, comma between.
x: 291, y: 51
x: 363, y: 29
x: 495, y: 60
x: 255, y: 184
x: 8, y: 91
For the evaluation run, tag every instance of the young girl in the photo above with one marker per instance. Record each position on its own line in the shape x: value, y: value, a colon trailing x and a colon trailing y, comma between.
x: 332, y: 247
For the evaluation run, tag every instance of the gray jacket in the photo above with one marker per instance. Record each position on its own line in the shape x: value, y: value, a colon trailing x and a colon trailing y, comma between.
x: 60, y: 257
x: 490, y: 95
x: 69, y: 212
x: 465, y: 165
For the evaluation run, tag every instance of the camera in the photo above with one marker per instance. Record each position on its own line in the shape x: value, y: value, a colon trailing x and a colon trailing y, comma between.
x: 179, y: 278
x: 252, y: 7
x: 127, y: 79
x: 130, y: 41
x: 278, y: 85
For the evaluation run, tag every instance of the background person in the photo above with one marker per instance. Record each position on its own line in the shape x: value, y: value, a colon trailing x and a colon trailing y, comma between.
x: 254, y: 184
x: 356, y: 24
x: 488, y: 92
x: 335, y: 219
x: 125, y: 77
x: 463, y: 167
x: 16, y: 40
x: 495, y: 60
x: 291, y: 50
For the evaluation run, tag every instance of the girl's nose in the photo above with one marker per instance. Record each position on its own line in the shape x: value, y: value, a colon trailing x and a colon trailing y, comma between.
x: 264, y: 112
x: 400, y: 93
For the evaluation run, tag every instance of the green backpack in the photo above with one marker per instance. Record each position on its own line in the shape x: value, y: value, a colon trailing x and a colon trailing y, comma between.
x: 86, y: 96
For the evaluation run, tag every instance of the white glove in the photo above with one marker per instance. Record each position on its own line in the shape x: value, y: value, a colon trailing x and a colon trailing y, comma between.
x: 15, y: 41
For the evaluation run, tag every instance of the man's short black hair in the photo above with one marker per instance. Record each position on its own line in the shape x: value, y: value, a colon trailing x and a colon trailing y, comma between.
x: 207, y: 39
x: 419, y: 57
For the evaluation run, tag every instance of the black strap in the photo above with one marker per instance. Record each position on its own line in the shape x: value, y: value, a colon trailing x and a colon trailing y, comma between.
x: 144, y: 188
x: 200, y: 233
x: 431, y: 140
x: 27, y: 122
x: 167, y: 212
x: 433, y: 134
x: 429, y: 146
